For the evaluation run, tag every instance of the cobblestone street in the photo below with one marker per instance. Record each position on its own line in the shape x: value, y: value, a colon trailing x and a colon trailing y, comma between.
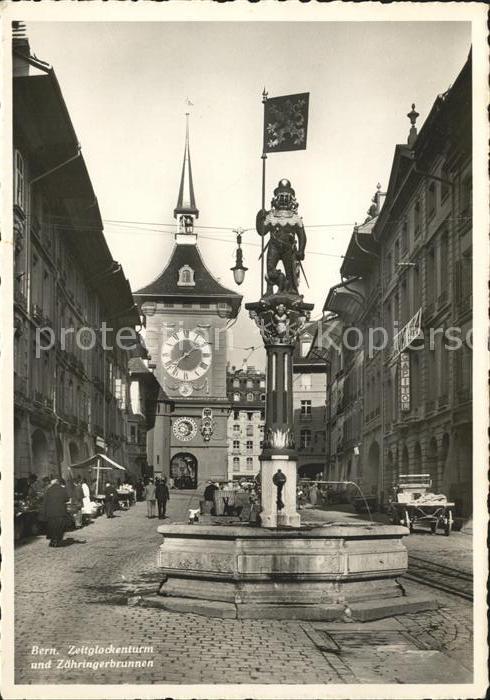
x: 77, y: 596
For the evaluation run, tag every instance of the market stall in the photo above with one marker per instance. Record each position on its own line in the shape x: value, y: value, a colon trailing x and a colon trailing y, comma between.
x: 97, y: 470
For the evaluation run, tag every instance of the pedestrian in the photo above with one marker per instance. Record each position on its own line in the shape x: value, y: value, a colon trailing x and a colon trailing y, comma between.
x: 150, y: 498
x: 77, y: 502
x: 55, y: 513
x: 162, y: 495
x: 209, y: 502
x: 110, y: 494
x: 313, y: 495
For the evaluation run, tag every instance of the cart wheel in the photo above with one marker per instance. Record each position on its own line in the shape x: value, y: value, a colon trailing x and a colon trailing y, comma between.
x: 448, y: 524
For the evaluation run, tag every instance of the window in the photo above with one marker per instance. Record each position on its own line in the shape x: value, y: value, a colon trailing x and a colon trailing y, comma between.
x: 466, y: 195
x: 262, y: 397
x: 236, y: 383
x: 19, y: 193
x: 444, y: 185
x: 250, y: 397
x: 250, y: 384
x: 236, y: 464
x: 404, y: 302
x: 250, y: 430
x: 444, y: 262
x: 236, y: 428
x: 250, y: 415
x: 388, y: 263
x: 186, y: 277
x: 250, y: 445
x: 417, y: 214
x: 431, y: 276
x: 404, y: 237
x: 305, y: 439
x: 416, y: 288
x: 306, y: 407
x: 236, y: 396
x: 431, y: 200
x: 250, y: 463
x: 236, y: 444
x: 205, y: 306
x: 236, y: 415
x: 262, y: 383
x: 167, y: 305
x: 396, y: 255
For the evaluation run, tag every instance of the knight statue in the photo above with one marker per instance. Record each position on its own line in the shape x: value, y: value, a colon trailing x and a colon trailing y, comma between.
x: 287, y: 240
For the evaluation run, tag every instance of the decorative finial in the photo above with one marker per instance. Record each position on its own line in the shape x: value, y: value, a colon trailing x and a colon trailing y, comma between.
x: 412, y: 137
x: 265, y: 95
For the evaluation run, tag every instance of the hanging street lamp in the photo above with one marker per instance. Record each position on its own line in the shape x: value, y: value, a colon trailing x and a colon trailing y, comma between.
x: 239, y: 270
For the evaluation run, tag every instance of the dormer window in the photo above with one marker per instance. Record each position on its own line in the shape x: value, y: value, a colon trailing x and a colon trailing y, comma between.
x: 186, y: 277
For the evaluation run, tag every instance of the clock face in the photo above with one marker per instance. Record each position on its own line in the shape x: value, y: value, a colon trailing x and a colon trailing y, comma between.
x: 186, y: 355
x: 185, y: 429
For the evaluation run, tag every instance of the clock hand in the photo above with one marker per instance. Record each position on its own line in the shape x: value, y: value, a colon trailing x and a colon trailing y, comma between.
x: 186, y: 354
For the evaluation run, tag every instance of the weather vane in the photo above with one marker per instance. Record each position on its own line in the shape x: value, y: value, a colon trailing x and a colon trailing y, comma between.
x: 188, y: 104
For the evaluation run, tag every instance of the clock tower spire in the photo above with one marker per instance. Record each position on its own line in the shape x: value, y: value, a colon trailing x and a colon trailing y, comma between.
x: 186, y: 210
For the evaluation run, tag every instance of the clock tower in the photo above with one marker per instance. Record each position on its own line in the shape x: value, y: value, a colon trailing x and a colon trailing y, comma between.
x: 187, y: 314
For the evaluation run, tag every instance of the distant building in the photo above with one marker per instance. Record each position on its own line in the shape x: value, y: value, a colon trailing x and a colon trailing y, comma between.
x: 309, y: 401
x: 70, y: 401
x: 142, y: 410
x: 246, y: 393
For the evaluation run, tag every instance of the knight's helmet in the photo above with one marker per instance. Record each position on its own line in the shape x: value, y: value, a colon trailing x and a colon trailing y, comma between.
x: 284, y: 196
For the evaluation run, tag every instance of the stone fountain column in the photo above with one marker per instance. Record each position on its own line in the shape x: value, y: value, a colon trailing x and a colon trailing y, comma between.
x: 280, y: 318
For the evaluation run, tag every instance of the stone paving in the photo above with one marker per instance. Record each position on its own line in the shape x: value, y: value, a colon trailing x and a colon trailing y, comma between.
x: 77, y: 596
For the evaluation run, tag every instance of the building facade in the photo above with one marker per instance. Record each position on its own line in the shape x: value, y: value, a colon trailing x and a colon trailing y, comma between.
x: 71, y: 377
x: 408, y: 270
x: 187, y: 314
x: 246, y: 393
x: 309, y: 404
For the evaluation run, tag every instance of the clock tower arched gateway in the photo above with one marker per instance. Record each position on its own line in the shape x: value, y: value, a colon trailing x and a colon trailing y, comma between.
x: 187, y: 313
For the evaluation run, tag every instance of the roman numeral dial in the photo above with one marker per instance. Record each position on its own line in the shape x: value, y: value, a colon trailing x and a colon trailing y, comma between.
x: 186, y: 355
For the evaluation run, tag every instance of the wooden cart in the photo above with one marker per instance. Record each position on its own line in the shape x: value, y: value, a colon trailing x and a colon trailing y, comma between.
x: 414, y: 503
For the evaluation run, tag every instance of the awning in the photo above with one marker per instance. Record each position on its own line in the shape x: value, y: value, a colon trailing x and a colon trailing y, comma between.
x: 91, y: 460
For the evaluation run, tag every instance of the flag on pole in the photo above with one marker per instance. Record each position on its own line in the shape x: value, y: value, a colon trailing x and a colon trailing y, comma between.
x: 286, y: 123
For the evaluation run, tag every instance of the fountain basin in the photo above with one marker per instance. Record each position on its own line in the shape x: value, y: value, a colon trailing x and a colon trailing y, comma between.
x: 294, y: 573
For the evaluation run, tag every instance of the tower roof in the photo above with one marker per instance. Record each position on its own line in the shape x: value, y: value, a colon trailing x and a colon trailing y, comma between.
x: 204, y: 286
x: 186, y: 203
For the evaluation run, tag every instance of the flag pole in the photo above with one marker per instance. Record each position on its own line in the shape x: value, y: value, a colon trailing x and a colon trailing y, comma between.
x: 264, y: 159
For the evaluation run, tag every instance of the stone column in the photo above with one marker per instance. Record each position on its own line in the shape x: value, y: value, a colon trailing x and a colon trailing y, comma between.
x: 280, y: 318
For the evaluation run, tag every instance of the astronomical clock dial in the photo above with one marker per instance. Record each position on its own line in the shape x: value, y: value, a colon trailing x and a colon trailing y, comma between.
x: 186, y: 355
x: 185, y: 429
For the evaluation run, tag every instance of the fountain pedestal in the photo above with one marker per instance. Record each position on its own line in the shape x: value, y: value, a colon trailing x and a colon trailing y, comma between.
x: 270, y: 515
x: 308, y: 573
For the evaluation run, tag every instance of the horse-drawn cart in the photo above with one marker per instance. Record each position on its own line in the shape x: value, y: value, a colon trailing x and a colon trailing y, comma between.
x: 414, y: 503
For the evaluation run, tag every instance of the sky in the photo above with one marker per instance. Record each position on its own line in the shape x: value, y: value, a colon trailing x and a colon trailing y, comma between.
x: 125, y: 86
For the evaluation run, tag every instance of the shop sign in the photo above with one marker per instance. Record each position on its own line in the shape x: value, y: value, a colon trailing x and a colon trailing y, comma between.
x: 405, y: 381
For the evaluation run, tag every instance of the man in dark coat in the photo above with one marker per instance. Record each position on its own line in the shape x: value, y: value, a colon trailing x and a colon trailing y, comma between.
x: 162, y: 495
x: 110, y: 494
x: 55, y: 513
